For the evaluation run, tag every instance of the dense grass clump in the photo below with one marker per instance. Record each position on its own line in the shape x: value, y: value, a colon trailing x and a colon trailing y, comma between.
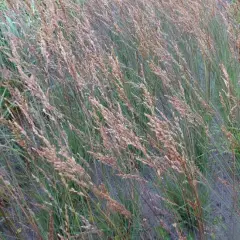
x: 119, y: 119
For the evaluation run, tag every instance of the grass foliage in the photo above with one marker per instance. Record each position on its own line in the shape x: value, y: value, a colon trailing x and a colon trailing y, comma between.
x: 119, y: 119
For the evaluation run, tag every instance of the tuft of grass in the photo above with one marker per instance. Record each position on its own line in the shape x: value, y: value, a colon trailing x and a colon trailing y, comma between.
x: 102, y: 102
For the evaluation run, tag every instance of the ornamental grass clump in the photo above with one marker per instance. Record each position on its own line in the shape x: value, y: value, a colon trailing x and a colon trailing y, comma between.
x: 119, y: 119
